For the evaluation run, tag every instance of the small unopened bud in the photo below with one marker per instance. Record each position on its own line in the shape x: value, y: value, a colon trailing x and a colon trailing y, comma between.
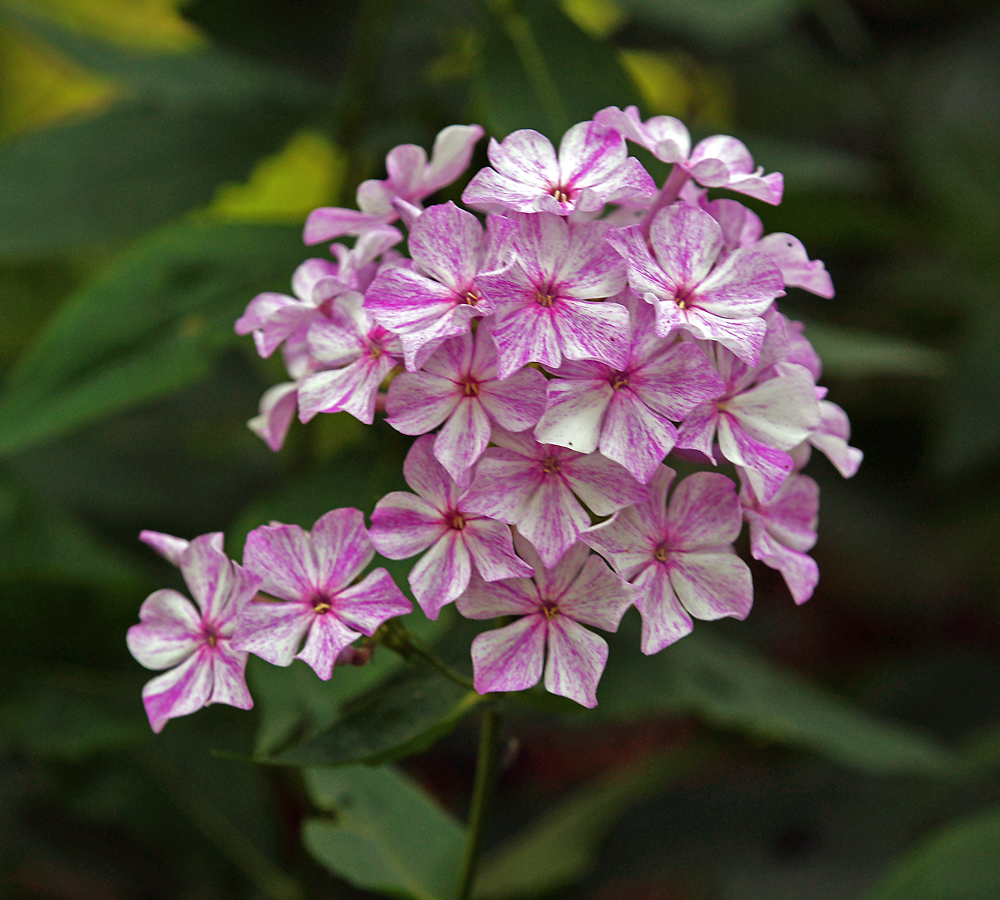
x: 354, y: 656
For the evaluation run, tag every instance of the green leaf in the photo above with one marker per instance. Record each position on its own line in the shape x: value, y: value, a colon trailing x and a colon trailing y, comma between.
x: 139, y: 164
x: 387, y: 834
x: 540, y: 70
x: 559, y: 847
x: 732, y: 687
x: 401, y: 719
x: 849, y: 353
x: 149, y: 324
x: 720, y: 24
x: 958, y: 862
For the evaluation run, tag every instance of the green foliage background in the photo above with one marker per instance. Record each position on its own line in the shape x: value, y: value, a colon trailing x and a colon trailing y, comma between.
x: 156, y: 164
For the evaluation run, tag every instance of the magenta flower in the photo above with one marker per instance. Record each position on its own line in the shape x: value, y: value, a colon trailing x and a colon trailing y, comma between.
x: 459, y: 386
x: 626, y: 412
x: 356, y: 355
x: 764, y: 412
x: 544, y: 301
x: 580, y: 588
x: 439, y: 296
x: 593, y: 168
x: 535, y: 486
x: 411, y: 179
x: 324, y: 611
x: 679, y: 558
x: 460, y: 541
x: 691, y: 289
x: 783, y: 530
x: 277, y: 409
x: 717, y: 161
x: 194, y: 643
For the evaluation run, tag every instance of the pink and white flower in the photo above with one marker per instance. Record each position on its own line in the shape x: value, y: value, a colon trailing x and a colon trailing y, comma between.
x: 626, y: 412
x: 411, y: 179
x: 439, y: 296
x: 544, y: 302
x: 718, y: 161
x: 680, y: 557
x: 831, y: 436
x: 355, y: 355
x: 460, y: 541
x: 551, y: 606
x: 193, y: 642
x: 323, y: 610
x: 459, y: 386
x: 535, y: 486
x: 593, y: 168
x: 691, y: 288
x: 783, y: 530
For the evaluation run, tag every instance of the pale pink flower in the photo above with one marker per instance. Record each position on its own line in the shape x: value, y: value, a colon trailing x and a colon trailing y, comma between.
x: 460, y: 542
x: 544, y: 302
x: 691, y: 288
x: 717, y: 161
x: 458, y: 386
x: 277, y: 409
x: 411, y: 179
x: 831, y: 436
x: 440, y: 295
x: 323, y: 610
x: 535, y: 486
x: 551, y: 606
x: 626, y: 412
x: 784, y: 529
x: 593, y: 168
x: 193, y: 642
x: 679, y: 558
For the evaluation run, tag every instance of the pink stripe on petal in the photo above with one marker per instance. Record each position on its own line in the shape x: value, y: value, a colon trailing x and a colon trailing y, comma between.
x: 273, y: 631
x: 516, y: 403
x: 341, y: 548
x: 169, y: 630
x: 704, y: 512
x: 464, y: 437
x: 712, y: 585
x: 645, y: 275
x: 404, y: 525
x: 277, y: 409
x: 371, y: 602
x: 183, y: 690
x: 800, y: 571
x: 487, y: 600
x: 574, y: 413
x: 489, y: 543
x: 636, y: 437
x: 597, y: 596
x: 676, y: 380
x: 744, y: 337
x: 554, y: 581
x: 686, y: 241
x: 589, y: 268
x: 404, y: 300
x: 327, y: 637
x: 169, y: 547
x: 664, y: 620
x: 527, y: 334
x: 766, y: 468
x: 602, y: 484
x: 427, y: 476
x: 282, y: 556
x: 418, y: 402
x: 527, y: 156
x: 441, y: 574
x: 697, y: 431
x: 207, y: 573
x: 510, y: 658
x: 552, y: 519
x: 447, y: 243
x: 503, y: 486
x: 742, y: 286
x: 576, y: 660
x: 229, y: 684
x: 593, y: 330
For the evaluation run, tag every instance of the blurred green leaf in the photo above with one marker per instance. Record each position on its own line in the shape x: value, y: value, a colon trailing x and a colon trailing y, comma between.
x: 146, y: 326
x: 815, y: 167
x: 720, y: 24
x: 559, y: 847
x: 386, y: 835
x: 135, y: 166
x: 848, y: 353
x: 401, y: 719
x: 960, y: 861
x: 540, y: 70
x: 732, y: 687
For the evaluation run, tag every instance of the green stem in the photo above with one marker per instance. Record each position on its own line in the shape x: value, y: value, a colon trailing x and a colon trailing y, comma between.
x: 393, y: 634
x: 482, y: 797
x: 518, y: 29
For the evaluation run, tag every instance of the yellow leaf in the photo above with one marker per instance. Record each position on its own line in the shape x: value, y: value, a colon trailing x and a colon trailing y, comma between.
x: 39, y: 86
x: 677, y: 85
x: 146, y: 24
x: 287, y: 186
x: 599, y: 18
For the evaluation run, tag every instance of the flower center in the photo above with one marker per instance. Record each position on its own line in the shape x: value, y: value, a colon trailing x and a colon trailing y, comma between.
x: 470, y: 388
x: 682, y: 298
x: 546, y: 300
x: 560, y: 193
x: 550, y: 609
x: 660, y: 553
x: 321, y: 605
x: 618, y: 381
x: 211, y: 636
x: 457, y: 521
x: 471, y: 297
x: 550, y: 465
x: 375, y: 350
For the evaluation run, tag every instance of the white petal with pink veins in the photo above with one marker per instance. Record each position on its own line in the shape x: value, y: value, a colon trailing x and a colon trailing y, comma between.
x: 576, y: 660
x: 510, y: 658
x: 712, y: 585
x: 169, y: 630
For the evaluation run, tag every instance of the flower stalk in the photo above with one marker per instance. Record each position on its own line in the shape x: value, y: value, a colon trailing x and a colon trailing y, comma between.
x: 483, y: 789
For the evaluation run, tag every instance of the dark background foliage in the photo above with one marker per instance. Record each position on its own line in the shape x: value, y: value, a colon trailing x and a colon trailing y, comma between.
x: 155, y: 167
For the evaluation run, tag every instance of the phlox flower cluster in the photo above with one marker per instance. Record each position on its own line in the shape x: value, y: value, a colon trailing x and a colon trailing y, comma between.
x: 549, y: 344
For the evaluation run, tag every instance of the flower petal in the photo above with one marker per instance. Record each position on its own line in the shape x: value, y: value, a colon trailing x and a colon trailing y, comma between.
x: 597, y: 596
x: 341, y: 548
x: 712, y: 585
x: 183, y: 690
x: 576, y: 661
x: 168, y: 632
x: 704, y: 512
x: 510, y: 658
x: 664, y: 620
x: 273, y: 631
x: 488, y: 600
x: 371, y: 602
x: 442, y: 573
x: 489, y: 543
x: 326, y: 638
x: 404, y: 525
x: 229, y: 683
